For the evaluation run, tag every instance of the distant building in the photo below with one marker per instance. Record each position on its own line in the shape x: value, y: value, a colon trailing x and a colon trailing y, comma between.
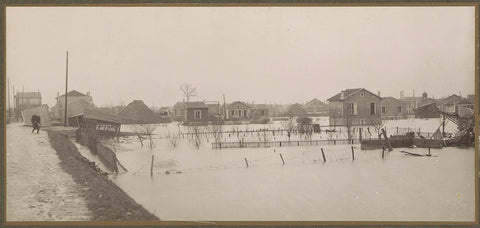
x: 79, y: 106
x: 392, y: 108
x: 196, y: 112
x: 58, y: 111
x: 214, y: 108
x: 450, y: 103
x: 354, y: 107
x: 295, y: 110
x: 414, y: 102
x: 259, y: 111
x: 465, y: 107
x: 316, y: 107
x: 190, y: 112
x: 238, y: 110
x: 40, y: 110
x: 137, y: 113
x: 427, y: 111
x: 26, y: 100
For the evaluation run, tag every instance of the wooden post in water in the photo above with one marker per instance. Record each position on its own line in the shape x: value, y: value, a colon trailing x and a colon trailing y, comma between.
x: 246, y: 162
x: 353, y: 155
x: 151, y: 167
x: 283, y: 161
x: 429, y: 154
x: 383, y: 152
x: 387, y: 140
x: 323, y: 155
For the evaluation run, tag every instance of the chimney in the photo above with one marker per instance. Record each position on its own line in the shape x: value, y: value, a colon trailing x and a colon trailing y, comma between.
x: 342, y: 95
x: 88, y: 93
x: 424, y: 95
x: 378, y: 93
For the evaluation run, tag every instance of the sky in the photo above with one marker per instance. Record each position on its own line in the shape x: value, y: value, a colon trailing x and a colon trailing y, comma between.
x: 254, y: 54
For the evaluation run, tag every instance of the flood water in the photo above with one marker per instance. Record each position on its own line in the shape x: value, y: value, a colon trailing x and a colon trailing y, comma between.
x: 217, y: 185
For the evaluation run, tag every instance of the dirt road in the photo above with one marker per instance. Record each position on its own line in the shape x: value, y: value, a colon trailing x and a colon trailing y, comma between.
x: 37, y: 188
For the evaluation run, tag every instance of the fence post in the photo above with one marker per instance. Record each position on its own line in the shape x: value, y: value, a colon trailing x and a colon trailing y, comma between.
x: 283, y: 161
x: 383, y: 152
x: 151, y: 167
x: 360, y: 134
x: 246, y: 162
x: 323, y: 155
x: 353, y: 155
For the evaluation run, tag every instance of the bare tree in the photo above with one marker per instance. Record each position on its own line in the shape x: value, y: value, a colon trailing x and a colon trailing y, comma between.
x: 289, y: 126
x: 173, y: 139
x: 216, y: 130
x: 142, y: 130
x: 196, y: 134
x: 188, y: 91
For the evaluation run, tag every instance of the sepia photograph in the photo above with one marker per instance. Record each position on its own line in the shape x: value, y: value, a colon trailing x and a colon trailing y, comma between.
x: 241, y: 114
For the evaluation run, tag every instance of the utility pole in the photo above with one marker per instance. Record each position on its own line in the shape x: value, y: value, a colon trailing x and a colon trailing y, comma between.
x: 14, y: 104
x: 66, y: 91
x: 224, y: 108
x: 9, y: 109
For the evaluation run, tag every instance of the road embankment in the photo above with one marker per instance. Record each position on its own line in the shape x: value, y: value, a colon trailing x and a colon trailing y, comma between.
x: 105, y: 200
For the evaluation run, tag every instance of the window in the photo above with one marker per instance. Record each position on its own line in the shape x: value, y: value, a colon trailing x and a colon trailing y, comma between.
x: 198, y: 114
x: 399, y: 109
x: 352, y: 108
x: 239, y: 113
x: 372, y: 109
x: 232, y: 113
x: 245, y: 113
x: 384, y: 109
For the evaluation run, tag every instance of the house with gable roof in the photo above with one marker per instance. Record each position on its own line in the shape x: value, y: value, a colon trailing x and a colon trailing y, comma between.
x: 354, y: 107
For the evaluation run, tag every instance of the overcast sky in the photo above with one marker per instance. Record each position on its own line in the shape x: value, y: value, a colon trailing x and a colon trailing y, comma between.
x: 254, y: 54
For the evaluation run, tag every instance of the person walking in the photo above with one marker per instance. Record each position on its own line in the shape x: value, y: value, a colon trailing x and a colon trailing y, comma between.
x: 36, y: 123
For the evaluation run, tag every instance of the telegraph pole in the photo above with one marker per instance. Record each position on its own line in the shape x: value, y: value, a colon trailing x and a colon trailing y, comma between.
x: 9, y: 107
x: 66, y: 91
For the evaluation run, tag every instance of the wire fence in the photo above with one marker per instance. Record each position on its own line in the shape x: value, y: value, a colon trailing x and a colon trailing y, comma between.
x: 260, y: 144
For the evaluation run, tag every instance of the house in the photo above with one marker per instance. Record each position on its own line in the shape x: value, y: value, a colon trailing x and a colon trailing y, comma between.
x: 354, y: 107
x: 238, y: 110
x: 316, y: 107
x: 295, y: 110
x: 190, y: 112
x: 196, y: 112
x: 465, y: 107
x: 259, y: 111
x: 414, y: 102
x: 79, y: 106
x: 58, y: 111
x: 450, y: 103
x: 25, y: 100
x: 137, y: 113
x: 427, y: 111
x: 392, y: 108
x: 214, y: 108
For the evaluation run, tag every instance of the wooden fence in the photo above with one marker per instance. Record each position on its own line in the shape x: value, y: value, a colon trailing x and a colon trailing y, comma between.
x: 260, y: 144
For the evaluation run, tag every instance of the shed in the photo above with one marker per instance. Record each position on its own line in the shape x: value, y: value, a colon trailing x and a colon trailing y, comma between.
x: 41, y: 110
x: 95, y: 121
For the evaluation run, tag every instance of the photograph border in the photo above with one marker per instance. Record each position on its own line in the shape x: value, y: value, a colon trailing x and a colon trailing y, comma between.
x: 131, y: 3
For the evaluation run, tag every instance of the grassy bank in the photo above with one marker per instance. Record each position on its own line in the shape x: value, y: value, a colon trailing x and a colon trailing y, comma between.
x: 105, y: 200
